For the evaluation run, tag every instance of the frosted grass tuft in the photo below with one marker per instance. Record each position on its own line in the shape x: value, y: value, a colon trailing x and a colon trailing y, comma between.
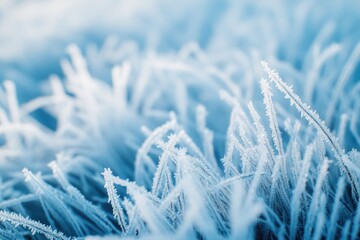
x: 162, y: 131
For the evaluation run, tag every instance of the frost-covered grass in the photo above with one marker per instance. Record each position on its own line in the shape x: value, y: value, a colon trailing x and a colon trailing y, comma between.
x: 249, y: 130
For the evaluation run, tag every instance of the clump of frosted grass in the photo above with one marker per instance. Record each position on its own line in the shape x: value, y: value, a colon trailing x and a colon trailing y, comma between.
x: 198, y: 140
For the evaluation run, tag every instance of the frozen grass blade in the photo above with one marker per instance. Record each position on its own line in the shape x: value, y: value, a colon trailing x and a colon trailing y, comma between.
x: 113, y: 199
x: 299, y: 191
x: 335, y: 209
x: 35, y: 227
x: 315, y: 120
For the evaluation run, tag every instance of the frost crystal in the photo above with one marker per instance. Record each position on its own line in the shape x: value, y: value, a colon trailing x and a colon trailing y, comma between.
x: 168, y: 120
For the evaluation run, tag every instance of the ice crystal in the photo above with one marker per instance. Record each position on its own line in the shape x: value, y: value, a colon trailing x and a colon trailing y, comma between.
x: 179, y: 120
